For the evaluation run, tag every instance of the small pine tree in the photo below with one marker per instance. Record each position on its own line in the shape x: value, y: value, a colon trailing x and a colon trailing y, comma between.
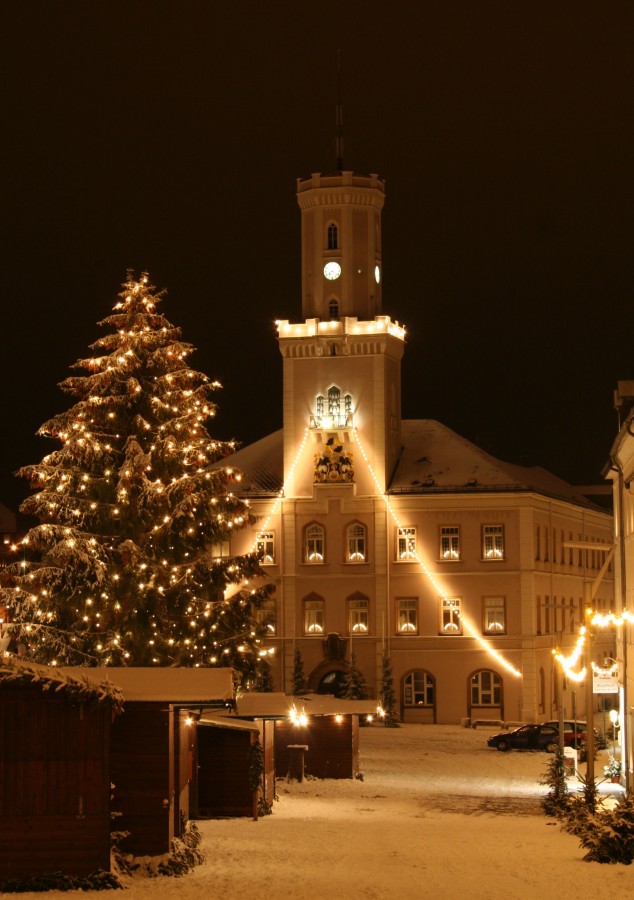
x: 607, y: 834
x: 388, y: 698
x: 556, y: 801
x: 119, y: 570
x: 354, y: 686
x: 299, y: 679
x: 264, y: 681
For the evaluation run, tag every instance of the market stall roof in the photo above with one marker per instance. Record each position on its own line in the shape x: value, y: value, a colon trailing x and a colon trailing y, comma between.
x: 15, y: 671
x: 278, y: 706
x: 186, y: 686
x: 220, y: 720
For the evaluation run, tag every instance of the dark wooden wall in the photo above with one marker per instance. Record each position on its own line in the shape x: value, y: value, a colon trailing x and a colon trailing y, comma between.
x: 54, y: 784
x: 224, y: 760
x: 143, y: 776
x: 333, y: 747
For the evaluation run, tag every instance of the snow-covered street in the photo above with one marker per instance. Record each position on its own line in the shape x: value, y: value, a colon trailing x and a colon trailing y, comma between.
x: 438, y: 814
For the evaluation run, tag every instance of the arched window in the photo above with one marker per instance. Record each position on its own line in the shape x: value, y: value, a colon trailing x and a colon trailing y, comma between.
x: 356, y: 549
x: 333, y: 237
x: 314, y: 544
x: 333, y: 309
x: 334, y: 400
x: 358, y: 614
x: 313, y: 615
x: 486, y: 688
x: 419, y: 689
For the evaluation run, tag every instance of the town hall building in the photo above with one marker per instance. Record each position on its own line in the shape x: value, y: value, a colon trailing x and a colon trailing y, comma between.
x: 383, y: 534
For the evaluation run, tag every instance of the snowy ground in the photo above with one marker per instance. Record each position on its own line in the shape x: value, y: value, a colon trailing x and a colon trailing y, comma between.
x: 438, y: 814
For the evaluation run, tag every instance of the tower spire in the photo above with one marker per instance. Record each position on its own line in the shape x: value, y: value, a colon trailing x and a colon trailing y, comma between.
x: 339, y: 137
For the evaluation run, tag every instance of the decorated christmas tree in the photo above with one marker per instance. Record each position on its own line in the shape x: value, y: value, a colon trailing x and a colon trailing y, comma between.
x: 129, y: 564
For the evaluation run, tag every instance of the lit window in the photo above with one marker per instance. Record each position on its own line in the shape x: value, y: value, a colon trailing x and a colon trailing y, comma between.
x: 408, y: 616
x: 418, y: 689
x: 313, y: 617
x: 486, y: 689
x: 358, y: 616
x: 219, y: 549
x: 494, y: 615
x: 265, y: 548
x: 266, y: 615
x: 406, y: 548
x: 493, y: 542
x: 356, y: 551
x: 333, y: 309
x: 332, y: 237
x: 450, y: 542
x: 450, y: 616
x: 314, y: 544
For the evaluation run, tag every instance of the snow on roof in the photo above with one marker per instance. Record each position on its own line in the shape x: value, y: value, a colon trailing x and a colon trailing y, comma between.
x: 165, y: 684
x: 76, y: 682
x: 261, y: 464
x: 278, y: 706
x: 219, y: 720
x: 434, y: 459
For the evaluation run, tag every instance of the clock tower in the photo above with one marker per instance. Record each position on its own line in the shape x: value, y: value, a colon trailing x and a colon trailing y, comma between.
x: 341, y: 245
x: 342, y: 382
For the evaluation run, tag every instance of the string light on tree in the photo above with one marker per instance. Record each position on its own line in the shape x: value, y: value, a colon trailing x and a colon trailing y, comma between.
x: 119, y: 571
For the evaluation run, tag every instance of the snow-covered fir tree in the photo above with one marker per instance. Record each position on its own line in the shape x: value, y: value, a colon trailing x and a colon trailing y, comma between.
x: 388, y: 697
x: 354, y: 684
x: 124, y: 566
x: 299, y: 679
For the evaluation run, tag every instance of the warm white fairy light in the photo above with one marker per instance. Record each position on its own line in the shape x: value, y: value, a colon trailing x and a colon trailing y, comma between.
x: 468, y: 627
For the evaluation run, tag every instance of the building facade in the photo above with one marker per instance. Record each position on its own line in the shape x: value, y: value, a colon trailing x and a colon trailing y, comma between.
x: 395, y: 536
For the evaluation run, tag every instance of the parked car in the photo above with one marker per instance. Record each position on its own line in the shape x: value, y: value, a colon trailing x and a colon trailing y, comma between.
x: 575, y: 731
x: 527, y: 737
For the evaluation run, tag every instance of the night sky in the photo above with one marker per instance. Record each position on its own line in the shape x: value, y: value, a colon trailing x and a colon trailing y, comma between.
x: 167, y: 137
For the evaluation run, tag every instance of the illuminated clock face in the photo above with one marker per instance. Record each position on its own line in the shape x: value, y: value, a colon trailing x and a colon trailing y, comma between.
x: 377, y: 274
x: 332, y: 271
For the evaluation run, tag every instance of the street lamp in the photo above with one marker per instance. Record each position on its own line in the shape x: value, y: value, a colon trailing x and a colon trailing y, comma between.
x: 589, y: 593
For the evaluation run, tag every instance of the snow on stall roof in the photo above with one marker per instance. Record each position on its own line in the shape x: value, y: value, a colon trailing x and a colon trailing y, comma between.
x: 276, y: 705
x: 218, y: 719
x: 435, y: 458
x: 75, y: 682
x: 165, y: 684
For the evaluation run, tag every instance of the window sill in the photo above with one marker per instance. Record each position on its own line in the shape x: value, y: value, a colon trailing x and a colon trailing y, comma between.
x: 493, y: 559
x: 452, y: 562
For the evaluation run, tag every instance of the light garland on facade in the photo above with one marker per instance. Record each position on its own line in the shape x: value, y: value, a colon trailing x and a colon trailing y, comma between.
x: 469, y: 628
x: 600, y: 620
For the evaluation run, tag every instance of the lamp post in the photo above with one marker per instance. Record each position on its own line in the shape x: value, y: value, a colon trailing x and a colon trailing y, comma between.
x: 589, y: 593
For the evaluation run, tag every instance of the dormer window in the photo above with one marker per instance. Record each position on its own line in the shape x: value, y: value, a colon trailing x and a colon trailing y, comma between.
x: 333, y: 237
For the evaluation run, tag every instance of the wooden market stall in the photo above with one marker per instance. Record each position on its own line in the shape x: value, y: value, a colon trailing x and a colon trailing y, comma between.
x: 55, y: 730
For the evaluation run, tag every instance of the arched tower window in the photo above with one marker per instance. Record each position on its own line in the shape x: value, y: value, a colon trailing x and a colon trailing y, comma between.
x: 334, y: 400
x: 333, y: 309
x: 333, y: 237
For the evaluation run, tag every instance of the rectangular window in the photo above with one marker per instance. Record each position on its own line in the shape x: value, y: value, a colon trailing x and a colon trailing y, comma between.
x: 314, y: 617
x: 494, y: 615
x: 408, y: 615
x: 493, y: 542
x: 450, y: 542
x: 450, y: 622
x: 265, y: 547
x: 266, y: 616
x: 538, y: 546
x: 314, y: 544
x: 356, y: 543
x: 358, y: 616
x: 219, y: 549
x: 406, y: 548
